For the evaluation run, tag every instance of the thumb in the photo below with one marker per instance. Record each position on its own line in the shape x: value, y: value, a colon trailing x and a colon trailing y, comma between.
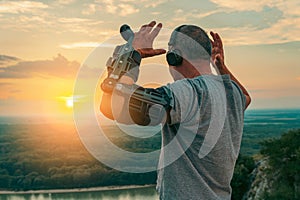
x: 149, y: 52
x: 159, y: 51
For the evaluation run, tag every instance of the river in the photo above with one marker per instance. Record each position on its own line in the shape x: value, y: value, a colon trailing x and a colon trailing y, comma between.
x: 145, y: 193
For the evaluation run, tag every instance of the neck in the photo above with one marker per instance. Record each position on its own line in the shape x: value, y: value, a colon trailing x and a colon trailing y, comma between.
x: 197, y: 67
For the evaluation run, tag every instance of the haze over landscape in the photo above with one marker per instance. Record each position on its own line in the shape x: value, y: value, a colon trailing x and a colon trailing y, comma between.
x: 43, y: 44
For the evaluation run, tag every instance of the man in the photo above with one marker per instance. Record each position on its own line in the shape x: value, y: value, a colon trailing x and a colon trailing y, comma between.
x: 201, y: 113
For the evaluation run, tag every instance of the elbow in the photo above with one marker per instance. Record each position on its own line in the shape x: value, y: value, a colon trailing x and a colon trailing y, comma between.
x: 106, y: 112
x: 105, y: 107
x: 248, y: 101
x: 154, y: 118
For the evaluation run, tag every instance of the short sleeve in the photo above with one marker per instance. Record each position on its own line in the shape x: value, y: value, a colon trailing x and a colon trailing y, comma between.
x: 242, y: 95
x: 183, y: 99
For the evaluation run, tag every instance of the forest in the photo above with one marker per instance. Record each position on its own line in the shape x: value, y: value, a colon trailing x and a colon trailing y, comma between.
x: 51, y: 156
x: 39, y: 156
x: 284, y: 166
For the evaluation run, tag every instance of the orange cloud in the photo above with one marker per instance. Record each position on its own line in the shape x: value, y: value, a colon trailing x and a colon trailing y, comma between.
x: 8, y: 60
x: 58, y: 67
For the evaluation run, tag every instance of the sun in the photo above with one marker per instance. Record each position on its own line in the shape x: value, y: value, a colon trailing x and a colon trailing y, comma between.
x: 69, y: 102
x: 66, y: 101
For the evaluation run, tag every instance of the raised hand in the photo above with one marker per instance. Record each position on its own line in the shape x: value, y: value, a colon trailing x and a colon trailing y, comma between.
x: 143, y: 40
x: 217, y: 55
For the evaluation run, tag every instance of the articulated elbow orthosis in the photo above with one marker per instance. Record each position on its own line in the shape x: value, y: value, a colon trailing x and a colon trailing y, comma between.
x: 125, y: 60
x: 147, y: 106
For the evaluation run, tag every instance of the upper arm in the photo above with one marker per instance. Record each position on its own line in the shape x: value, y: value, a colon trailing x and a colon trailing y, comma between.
x: 136, y: 105
x: 185, y: 100
x: 148, y: 106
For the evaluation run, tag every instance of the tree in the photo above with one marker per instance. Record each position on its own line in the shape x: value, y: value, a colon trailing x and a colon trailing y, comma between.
x: 284, y: 161
x: 240, y: 182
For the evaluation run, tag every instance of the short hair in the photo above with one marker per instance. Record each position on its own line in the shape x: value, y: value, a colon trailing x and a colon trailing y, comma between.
x: 191, y: 40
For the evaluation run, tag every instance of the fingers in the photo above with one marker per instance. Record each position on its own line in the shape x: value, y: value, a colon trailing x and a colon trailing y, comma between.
x: 217, y: 41
x: 144, y: 38
x: 147, y: 27
x: 213, y: 36
x: 152, y: 24
x: 156, y: 30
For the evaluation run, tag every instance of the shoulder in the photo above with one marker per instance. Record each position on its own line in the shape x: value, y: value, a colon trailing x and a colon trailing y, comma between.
x: 182, y: 87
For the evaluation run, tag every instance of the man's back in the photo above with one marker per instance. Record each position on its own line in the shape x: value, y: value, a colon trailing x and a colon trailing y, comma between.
x: 202, y: 141
x: 204, y: 113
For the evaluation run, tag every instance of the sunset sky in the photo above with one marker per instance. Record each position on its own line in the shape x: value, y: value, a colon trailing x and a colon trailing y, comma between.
x: 44, y: 43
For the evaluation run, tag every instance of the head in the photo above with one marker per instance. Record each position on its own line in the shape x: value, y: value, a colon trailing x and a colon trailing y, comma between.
x: 189, y: 52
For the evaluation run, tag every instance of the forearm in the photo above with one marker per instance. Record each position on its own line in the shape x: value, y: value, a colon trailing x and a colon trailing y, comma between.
x: 124, y: 69
x: 225, y: 70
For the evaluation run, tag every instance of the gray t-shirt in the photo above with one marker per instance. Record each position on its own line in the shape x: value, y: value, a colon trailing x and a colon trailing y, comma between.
x: 201, y: 142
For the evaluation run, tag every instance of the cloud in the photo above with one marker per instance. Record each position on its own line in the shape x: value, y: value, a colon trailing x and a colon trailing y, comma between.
x: 31, y: 19
x: 154, y: 4
x: 4, y: 84
x: 74, y: 20
x: 155, y: 13
x: 7, y: 60
x: 57, y: 67
x: 109, y: 6
x: 15, y: 7
x: 275, y: 34
x: 112, y: 6
x: 121, y: 8
x: 256, y: 5
x: 80, y: 45
x: 276, y: 21
x: 289, y: 8
x: 78, y: 25
x: 126, y: 1
x: 258, y: 20
x: 65, y: 2
x: 35, y: 20
x: 127, y: 9
x: 90, y: 9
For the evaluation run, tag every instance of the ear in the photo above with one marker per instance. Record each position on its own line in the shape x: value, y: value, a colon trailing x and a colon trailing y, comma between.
x: 174, y: 57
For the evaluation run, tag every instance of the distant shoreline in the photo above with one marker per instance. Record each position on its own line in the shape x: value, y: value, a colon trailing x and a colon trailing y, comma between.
x: 77, y: 190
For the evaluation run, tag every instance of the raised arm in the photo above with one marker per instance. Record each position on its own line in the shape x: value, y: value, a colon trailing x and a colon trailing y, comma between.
x: 219, y: 63
x: 143, y: 43
x: 126, y: 100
